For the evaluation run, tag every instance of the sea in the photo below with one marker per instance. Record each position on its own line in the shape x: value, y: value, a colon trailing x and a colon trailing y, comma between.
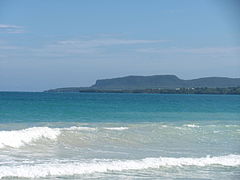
x: 119, y: 136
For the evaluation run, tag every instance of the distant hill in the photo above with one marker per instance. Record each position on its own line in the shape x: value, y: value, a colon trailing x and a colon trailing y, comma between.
x: 164, y: 81
x: 156, y: 82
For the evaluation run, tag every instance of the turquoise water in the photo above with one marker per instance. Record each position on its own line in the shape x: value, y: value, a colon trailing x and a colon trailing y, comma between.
x: 119, y: 136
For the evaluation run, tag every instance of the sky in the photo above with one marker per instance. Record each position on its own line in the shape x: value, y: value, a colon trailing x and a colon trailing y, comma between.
x: 47, y: 44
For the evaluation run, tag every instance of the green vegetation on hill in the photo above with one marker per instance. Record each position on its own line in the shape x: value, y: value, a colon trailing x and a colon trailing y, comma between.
x: 161, y: 84
x: 230, y: 90
x: 163, y: 81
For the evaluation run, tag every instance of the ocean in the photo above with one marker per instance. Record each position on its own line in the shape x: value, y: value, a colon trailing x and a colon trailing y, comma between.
x: 119, y: 136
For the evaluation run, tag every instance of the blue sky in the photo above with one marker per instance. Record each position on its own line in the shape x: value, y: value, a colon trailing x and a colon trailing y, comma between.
x: 51, y: 43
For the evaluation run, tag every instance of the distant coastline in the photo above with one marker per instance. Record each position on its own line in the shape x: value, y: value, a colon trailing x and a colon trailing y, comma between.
x: 230, y: 90
x: 160, y: 84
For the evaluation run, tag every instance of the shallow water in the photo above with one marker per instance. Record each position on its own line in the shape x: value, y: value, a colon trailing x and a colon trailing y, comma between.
x: 119, y: 136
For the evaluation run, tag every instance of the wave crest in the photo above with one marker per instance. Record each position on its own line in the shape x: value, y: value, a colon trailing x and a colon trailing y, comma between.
x: 18, y: 138
x: 116, y: 128
x: 101, y: 166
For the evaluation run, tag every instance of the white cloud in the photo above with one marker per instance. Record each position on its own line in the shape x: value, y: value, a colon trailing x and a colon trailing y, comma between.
x: 13, y: 29
x: 105, y: 42
x: 89, y: 46
x: 84, y: 46
x: 6, y: 26
x: 6, y: 47
x: 206, y: 51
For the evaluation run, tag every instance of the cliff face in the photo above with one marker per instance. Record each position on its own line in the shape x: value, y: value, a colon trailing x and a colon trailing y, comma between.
x: 139, y: 82
x: 163, y: 81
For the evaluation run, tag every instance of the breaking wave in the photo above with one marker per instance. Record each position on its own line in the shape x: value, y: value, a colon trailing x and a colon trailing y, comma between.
x: 116, y: 128
x: 191, y: 125
x: 102, y: 166
x: 19, y: 138
x: 80, y: 128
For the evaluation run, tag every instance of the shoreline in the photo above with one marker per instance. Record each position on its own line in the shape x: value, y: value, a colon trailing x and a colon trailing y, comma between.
x: 226, y: 91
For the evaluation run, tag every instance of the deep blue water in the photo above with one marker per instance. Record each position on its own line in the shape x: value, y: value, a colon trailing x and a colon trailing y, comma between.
x: 97, y: 107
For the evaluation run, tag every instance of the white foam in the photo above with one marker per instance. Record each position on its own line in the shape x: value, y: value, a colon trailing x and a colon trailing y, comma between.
x: 80, y: 128
x: 231, y: 125
x: 191, y: 125
x: 19, y: 138
x: 116, y: 128
x: 164, y: 126
x: 74, y: 168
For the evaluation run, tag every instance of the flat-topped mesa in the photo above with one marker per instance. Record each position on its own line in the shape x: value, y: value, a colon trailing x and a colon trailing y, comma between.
x: 139, y: 82
x: 163, y: 81
x: 153, y: 82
